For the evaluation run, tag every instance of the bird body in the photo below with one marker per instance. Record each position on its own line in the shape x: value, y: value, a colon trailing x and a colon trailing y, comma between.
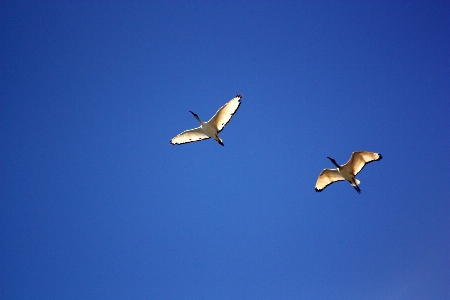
x: 211, y: 128
x: 348, y: 171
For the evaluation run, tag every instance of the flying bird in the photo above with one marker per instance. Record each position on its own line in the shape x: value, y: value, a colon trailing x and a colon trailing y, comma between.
x: 348, y: 171
x: 211, y: 128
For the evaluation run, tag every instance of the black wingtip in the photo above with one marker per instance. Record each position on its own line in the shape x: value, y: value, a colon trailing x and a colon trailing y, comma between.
x: 239, y: 96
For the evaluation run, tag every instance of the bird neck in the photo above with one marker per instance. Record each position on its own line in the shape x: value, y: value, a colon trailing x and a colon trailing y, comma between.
x: 196, y: 117
x: 334, y: 162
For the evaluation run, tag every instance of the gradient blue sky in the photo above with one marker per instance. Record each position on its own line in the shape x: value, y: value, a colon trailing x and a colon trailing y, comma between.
x: 95, y: 203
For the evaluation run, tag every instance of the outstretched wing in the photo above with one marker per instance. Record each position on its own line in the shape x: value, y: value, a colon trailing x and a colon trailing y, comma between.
x: 224, y: 114
x: 188, y: 136
x: 360, y: 158
x: 327, y: 177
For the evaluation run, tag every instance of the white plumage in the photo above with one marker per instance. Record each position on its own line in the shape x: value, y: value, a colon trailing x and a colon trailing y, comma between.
x: 348, y: 171
x: 211, y: 128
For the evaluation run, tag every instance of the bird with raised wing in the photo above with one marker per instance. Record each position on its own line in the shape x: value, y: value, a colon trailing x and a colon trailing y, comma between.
x: 348, y: 171
x: 211, y: 128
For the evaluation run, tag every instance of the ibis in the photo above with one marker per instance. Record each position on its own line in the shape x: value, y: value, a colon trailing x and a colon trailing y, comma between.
x: 348, y: 171
x: 211, y: 128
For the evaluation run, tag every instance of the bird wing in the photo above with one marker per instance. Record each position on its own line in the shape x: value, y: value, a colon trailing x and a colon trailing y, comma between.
x: 224, y: 114
x: 327, y: 177
x: 188, y: 136
x: 360, y: 158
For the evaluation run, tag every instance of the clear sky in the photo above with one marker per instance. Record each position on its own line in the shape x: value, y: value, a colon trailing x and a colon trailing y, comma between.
x: 96, y: 204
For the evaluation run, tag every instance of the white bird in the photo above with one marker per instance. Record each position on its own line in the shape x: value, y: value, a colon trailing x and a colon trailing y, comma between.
x: 211, y: 128
x: 348, y: 171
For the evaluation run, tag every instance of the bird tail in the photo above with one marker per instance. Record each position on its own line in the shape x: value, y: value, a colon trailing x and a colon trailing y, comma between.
x: 219, y: 140
x: 355, y: 185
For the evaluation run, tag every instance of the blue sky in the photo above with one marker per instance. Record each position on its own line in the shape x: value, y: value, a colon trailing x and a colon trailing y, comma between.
x: 95, y: 203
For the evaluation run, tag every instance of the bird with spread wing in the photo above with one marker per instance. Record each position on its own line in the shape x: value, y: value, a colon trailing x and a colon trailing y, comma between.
x: 211, y: 128
x: 348, y: 171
